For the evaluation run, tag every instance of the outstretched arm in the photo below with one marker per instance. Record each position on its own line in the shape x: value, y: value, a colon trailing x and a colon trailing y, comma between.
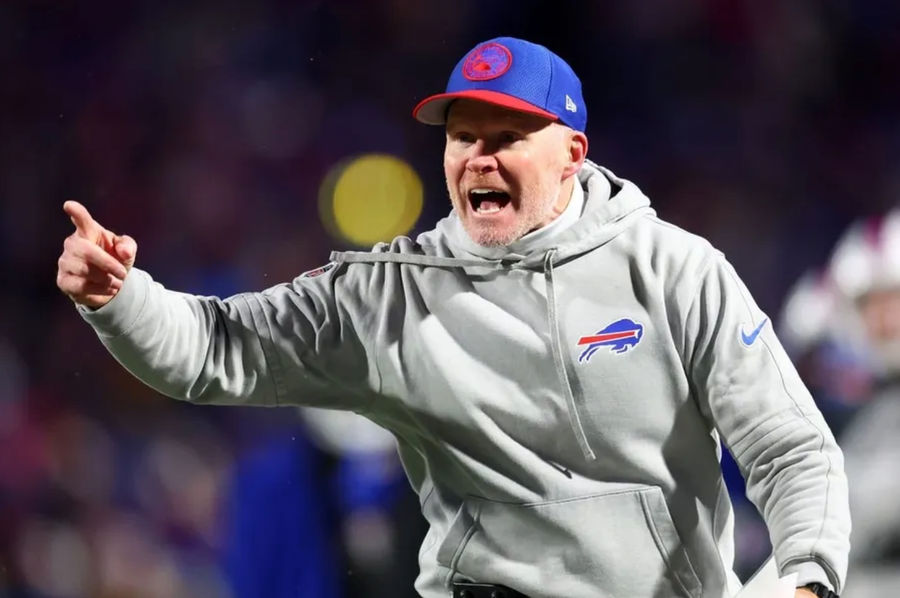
x: 296, y: 343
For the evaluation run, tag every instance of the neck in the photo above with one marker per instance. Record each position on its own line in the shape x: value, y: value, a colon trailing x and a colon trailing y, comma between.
x: 565, y: 196
x: 559, y: 206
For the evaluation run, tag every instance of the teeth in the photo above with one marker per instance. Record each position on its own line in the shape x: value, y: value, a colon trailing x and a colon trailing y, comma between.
x: 485, y: 200
x: 488, y: 207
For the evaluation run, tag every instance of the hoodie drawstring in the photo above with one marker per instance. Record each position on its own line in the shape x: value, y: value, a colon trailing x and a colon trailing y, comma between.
x: 574, y: 418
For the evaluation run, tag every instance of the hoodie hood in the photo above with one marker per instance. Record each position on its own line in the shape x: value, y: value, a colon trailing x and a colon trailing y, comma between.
x: 611, y: 204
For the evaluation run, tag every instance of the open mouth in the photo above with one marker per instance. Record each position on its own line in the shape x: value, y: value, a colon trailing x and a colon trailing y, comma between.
x: 488, y: 201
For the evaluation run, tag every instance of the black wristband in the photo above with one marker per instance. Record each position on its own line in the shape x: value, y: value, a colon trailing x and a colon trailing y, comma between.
x: 820, y: 590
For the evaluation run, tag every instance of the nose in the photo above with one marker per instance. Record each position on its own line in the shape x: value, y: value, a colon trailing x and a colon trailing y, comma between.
x: 481, y: 161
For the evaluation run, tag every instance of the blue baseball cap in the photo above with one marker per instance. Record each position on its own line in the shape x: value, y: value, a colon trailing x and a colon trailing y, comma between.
x: 515, y: 74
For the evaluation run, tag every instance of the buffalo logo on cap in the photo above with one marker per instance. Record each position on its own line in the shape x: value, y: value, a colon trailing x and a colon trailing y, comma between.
x: 487, y: 61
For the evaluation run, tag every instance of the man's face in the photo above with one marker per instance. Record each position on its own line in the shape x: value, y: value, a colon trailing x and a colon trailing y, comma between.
x: 508, y: 172
x: 880, y: 311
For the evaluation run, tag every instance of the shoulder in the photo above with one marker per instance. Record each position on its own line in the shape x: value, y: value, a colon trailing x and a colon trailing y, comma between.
x: 669, y: 249
x: 672, y: 237
x: 402, y: 249
x: 397, y: 250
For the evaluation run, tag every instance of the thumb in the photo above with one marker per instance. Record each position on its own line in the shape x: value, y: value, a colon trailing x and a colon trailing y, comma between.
x: 126, y: 250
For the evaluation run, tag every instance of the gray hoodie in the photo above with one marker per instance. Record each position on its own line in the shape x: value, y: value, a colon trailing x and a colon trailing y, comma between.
x: 557, y: 410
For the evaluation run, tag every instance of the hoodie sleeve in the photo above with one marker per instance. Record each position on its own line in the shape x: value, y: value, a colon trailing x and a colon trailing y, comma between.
x: 295, y: 343
x: 747, y: 386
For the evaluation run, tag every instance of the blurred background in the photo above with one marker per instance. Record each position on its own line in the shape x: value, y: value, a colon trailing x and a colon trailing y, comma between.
x: 240, y: 143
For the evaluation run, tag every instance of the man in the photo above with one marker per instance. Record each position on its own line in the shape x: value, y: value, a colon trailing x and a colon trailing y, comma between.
x: 556, y: 363
x: 865, y: 271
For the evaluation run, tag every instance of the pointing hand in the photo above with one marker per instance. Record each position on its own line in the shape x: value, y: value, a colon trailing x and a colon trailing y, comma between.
x: 94, y: 261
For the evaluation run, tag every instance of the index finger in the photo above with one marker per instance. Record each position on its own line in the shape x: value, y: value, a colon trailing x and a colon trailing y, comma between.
x: 85, y: 225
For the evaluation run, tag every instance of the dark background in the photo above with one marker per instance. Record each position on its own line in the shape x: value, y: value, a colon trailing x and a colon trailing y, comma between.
x: 205, y: 131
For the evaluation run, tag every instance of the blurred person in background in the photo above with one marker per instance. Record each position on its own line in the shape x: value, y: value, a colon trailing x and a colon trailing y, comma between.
x: 822, y: 335
x: 277, y: 521
x: 381, y: 527
x: 841, y: 324
x: 865, y: 270
x: 394, y: 335
x: 289, y: 492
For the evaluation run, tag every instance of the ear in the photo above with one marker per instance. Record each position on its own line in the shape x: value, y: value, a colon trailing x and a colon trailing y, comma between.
x: 576, y: 152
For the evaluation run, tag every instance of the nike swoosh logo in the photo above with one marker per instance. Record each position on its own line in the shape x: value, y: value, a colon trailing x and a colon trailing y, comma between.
x: 749, y: 339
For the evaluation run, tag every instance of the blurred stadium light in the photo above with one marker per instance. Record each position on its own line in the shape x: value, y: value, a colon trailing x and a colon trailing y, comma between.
x: 370, y: 198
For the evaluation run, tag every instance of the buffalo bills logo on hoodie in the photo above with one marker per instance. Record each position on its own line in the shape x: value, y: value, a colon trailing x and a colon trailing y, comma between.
x: 620, y: 336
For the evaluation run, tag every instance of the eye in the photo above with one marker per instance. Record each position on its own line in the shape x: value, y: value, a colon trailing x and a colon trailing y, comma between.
x: 507, y: 137
x: 462, y: 137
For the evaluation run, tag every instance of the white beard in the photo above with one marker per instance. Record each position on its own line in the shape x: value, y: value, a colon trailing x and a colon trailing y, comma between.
x: 530, y: 216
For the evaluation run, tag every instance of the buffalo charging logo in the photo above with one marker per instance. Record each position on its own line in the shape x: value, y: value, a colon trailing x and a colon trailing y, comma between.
x: 620, y: 336
x: 487, y: 61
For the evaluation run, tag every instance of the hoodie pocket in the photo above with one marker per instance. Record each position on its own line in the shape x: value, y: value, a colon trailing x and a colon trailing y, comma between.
x: 617, y: 543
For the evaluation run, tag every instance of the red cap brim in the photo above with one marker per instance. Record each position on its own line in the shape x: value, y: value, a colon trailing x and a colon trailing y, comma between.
x: 433, y: 109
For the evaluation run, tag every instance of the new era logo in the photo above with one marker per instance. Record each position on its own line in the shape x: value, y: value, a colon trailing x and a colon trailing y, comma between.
x: 570, y: 104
